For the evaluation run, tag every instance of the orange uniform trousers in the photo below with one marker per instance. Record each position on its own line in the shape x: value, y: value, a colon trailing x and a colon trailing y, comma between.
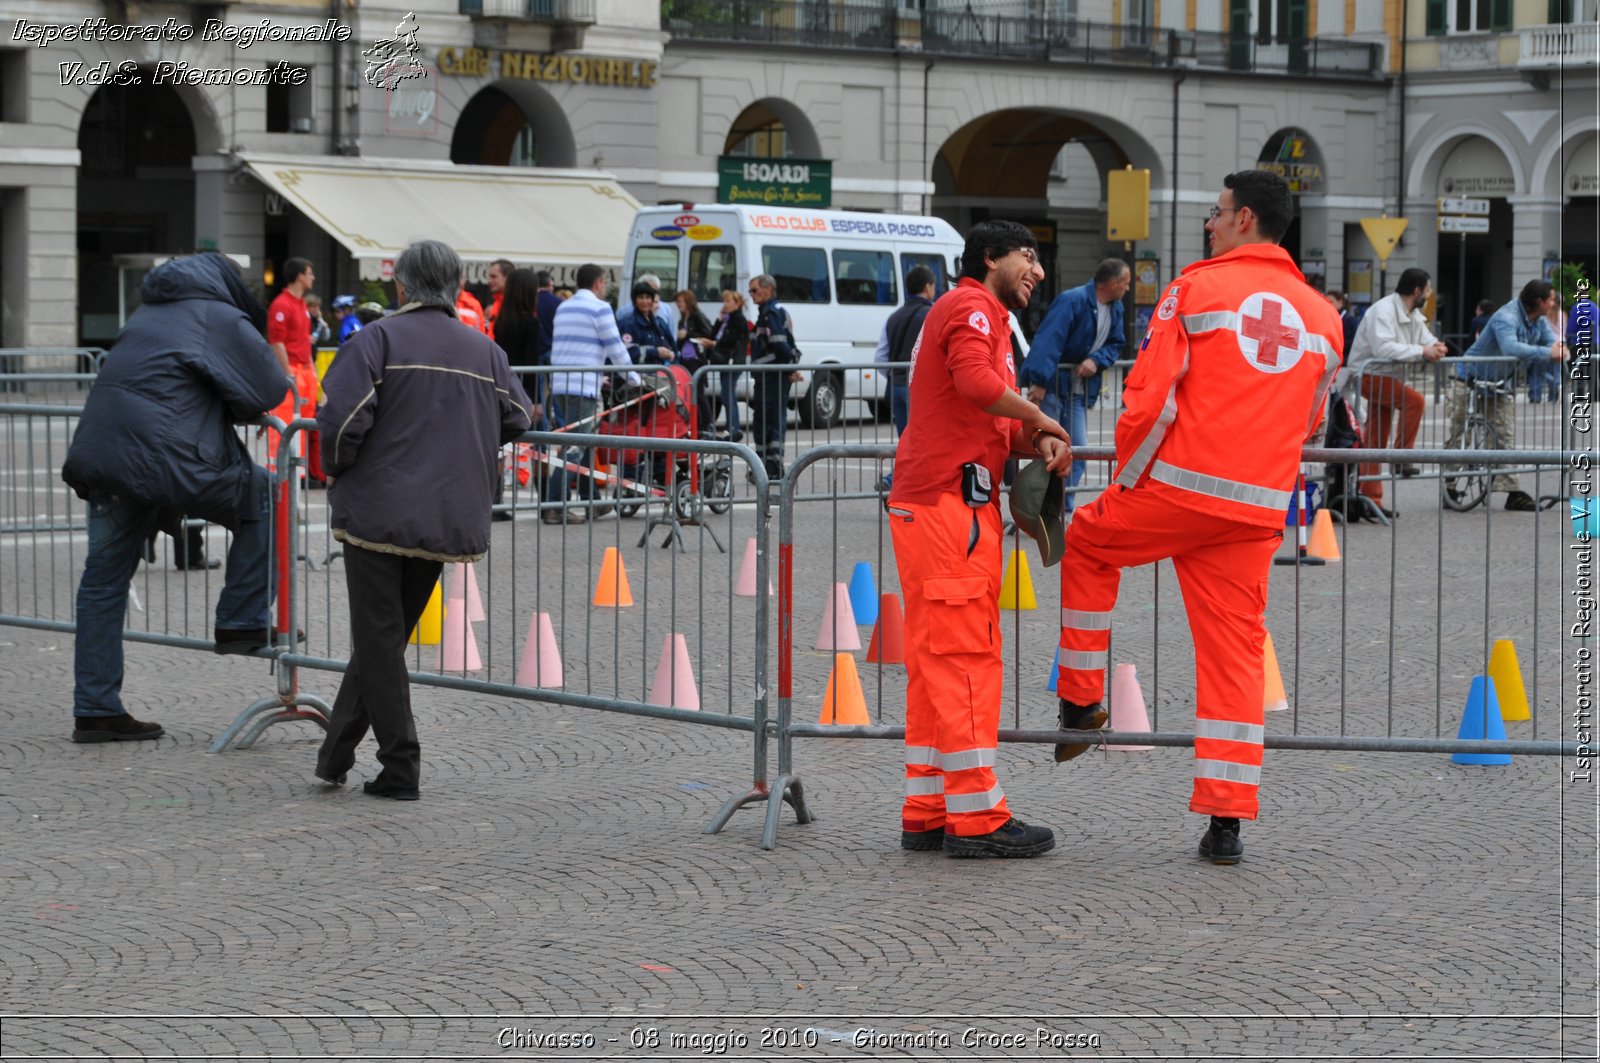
x: 948, y: 556
x: 307, y: 386
x: 1222, y: 568
x: 1385, y: 396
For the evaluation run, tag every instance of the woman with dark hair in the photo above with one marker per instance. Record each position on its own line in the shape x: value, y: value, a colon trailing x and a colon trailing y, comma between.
x: 695, y: 338
x: 731, y: 346
x: 516, y: 330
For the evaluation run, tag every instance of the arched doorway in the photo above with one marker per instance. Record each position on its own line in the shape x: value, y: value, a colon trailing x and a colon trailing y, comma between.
x: 772, y: 129
x: 135, y: 197
x: 513, y: 123
x: 1295, y: 157
x: 1475, y: 266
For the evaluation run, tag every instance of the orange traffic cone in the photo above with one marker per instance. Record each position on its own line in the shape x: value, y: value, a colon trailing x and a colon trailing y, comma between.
x: 541, y: 657
x: 1273, y: 696
x: 844, y: 703
x: 838, y: 630
x: 674, y: 686
x: 612, y: 588
x: 888, y: 645
x: 1324, y: 543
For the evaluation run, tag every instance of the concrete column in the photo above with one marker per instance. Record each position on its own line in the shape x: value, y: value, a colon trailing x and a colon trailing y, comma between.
x: 41, y: 217
x: 1535, y: 229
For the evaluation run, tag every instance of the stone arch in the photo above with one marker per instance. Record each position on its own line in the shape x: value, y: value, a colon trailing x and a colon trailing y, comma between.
x: 492, y: 122
x: 1422, y: 179
x: 800, y: 135
x: 1295, y: 161
x: 1009, y: 152
x: 1550, y: 163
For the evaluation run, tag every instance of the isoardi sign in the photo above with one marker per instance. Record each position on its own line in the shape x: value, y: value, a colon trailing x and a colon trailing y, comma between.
x: 775, y: 182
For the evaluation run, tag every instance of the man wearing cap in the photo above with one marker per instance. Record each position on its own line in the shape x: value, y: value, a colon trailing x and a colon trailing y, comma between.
x: 344, y: 313
x: 1229, y: 383
x: 966, y: 419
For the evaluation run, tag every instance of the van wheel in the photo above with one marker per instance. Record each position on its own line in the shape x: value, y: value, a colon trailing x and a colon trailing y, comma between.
x: 820, y: 406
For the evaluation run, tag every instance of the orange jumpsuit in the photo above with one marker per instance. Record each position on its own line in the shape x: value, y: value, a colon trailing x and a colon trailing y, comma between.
x: 949, y: 560
x: 470, y: 312
x: 1229, y: 383
x: 288, y: 324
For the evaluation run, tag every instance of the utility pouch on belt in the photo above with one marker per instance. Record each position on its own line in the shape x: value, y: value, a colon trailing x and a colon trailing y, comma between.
x: 976, y: 486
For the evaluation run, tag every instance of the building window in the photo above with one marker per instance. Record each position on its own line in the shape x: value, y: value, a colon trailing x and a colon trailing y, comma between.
x: 13, y: 85
x: 289, y: 107
x: 758, y: 133
x: 1282, y: 21
x: 524, y: 148
x: 1467, y: 16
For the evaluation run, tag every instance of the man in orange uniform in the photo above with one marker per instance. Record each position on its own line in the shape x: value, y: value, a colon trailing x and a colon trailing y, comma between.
x: 289, y: 333
x: 1229, y: 383
x: 966, y: 420
x: 470, y: 312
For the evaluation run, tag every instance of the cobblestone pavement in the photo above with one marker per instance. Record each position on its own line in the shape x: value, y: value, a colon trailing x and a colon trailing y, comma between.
x: 553, y: 885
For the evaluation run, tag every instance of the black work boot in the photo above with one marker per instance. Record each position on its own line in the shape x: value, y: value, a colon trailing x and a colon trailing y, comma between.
x: 1075, y: 717
x: 1012, y: 838
x: 922, y: 841
x: 1221, y: 844
x: 123, y: 728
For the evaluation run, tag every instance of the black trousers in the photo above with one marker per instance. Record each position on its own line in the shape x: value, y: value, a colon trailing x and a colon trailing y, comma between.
x: 388, y: 593
x: 769, y: 414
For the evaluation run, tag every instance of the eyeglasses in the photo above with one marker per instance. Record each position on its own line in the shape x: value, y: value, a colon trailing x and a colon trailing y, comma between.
x: 1216, y: 212
x: 1026, y: 252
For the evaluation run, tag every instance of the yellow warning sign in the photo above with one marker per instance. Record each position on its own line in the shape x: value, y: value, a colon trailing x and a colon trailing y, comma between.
x: 1385, y: 235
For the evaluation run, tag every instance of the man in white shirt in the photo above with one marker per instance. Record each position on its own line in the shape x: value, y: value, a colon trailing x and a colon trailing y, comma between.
x: 1392, y: 332
x: 585, y: 334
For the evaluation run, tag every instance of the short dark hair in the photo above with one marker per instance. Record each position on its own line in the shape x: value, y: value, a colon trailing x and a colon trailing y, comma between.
x: 1413, y: 280
x: 644, y: 288
x: 1268, y: 197
x: 1485, y: 306
x: 918, y: 279
x: 588, y: 273
x: 993, y: 239
x: 1109, y: 270
x: 506, y: 265
x: 543, y: 279
x: 293, y: 268
x: 1534, y: 293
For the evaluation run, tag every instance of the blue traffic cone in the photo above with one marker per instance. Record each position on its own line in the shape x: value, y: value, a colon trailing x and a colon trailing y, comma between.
x: 1055, y: 667
x: 863, y: 594
x: 1482, y: 720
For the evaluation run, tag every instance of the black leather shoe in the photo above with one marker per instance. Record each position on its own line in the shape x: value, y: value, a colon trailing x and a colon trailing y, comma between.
x: 1014, y: 838
x: 1221, y: 844
x: 123, y: 728
x: 330, y: 780
x: 922, y: 841
x: 1521, y: 502
x: 1408, y: 471
x: 186, y: 561
x: 1075, y: 717
x: 379, y: 788
x: 245, y: 641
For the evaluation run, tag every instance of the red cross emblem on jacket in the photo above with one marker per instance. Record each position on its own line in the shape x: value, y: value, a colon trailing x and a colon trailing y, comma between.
x: 1271, y: 334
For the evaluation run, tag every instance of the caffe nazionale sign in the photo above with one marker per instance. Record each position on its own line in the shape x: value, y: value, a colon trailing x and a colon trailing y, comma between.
x: 537, y: 66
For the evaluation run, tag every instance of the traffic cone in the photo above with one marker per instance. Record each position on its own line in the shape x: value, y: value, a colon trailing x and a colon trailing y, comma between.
x: 863, y: 593
x: 427, y: 631
x: 1055, y: 671
x: 674, y: 686
x: 888, y: 645
x: 838, y: 630
x: 612, y: 588
x: 844, y: 703
x: 541, y: 657
x: 1507, y: 676
x: 745, y: 586
x: 1016, y: 589
x: 1481, y: 719
x: 1324, y: 543
x: 1127, y: 705
x: 460, y: 650
x: 1273, y: 696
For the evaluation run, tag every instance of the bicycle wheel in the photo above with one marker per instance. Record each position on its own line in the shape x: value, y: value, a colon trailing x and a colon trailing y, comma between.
x: 1467, y: 484
x: 716, y: 484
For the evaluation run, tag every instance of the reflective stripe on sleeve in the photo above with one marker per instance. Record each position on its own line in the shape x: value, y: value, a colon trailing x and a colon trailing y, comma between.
x: 990, y: 798
x: 1229, y: 731
x: 924, y: 756
x: 1083, y: 620
x: 1223, y: 770
x: 968, y: 758
x: 1215, y: 486
x: 925, y: 786
x: 1083, y: 659
x: 1209, y: 322
x: 1129, y: 474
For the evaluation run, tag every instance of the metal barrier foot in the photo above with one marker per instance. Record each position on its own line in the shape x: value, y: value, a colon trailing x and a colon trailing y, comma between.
x: 786, y: 788
x: 303, y: 707
x: 242, y: 720
x: 732, y: 805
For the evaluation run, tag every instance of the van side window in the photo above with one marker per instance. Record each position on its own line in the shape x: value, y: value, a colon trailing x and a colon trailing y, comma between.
x: 933, y: 262
x: 864, y: 278
x: 711, y: 269
x: 662, y: 261
x: 801, y: 272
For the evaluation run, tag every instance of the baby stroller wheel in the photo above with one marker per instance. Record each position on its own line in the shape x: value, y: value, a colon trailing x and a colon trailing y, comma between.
x: 718, y: 484
x: 685, y: 503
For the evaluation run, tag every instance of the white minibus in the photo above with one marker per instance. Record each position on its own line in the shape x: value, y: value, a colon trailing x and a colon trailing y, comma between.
x: 840, y: 275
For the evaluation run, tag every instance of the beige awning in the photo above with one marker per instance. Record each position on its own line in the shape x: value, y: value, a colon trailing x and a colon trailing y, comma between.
x: 375, y: 207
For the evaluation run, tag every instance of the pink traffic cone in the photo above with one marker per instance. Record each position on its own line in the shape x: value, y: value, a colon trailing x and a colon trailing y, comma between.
x: 1127, y: 706
x: 460, y: 650
x: 541, y: 657
x: 464, y: 586
x: 674, y: 686
x: 838, y: 631
x: 745, y: 586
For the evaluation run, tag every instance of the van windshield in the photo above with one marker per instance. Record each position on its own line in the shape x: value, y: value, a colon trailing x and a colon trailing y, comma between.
x: 661, y: 261
x: 712, y: 269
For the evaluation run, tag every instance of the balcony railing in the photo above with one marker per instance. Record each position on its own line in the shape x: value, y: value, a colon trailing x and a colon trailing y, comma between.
x: 1563, y: 45
x: 556, y: 12
x: 873, y: 27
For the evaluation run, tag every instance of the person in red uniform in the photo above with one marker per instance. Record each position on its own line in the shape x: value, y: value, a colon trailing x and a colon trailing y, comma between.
x: 966, y: 419
x: 470, y: 312
x: 1229, y: 383
x: 289, y: 333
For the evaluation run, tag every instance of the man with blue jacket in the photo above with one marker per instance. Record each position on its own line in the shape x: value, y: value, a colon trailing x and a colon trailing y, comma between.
x: 1517, y: 333
x: 1081, y: 335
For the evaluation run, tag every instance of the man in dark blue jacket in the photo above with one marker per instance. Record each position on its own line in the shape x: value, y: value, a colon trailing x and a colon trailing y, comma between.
x: 1081, y: 335
x: 157, y: 439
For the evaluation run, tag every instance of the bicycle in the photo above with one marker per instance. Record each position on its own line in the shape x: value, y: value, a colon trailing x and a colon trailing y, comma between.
x: 1467, y: 484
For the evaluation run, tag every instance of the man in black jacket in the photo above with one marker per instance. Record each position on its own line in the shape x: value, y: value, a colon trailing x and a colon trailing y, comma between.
x: 771, y: 343
x: 899, y: 338
x: 157, y: 439
x: 418, y: 408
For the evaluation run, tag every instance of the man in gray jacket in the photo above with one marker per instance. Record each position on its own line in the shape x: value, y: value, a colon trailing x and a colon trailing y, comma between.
x: 157, y: 441
x: 417, y: 410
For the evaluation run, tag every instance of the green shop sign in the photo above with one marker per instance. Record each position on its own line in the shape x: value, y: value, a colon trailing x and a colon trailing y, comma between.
x: 775, y: 182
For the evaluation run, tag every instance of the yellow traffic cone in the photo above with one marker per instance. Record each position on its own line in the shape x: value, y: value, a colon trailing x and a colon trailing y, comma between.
x: 1016, y: 589
x: 1273, y: 697
x: 1507, y: 676
x: 430, y: 626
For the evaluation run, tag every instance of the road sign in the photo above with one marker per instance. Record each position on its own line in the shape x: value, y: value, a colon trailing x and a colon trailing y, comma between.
x: 1462, y: 205
x: 1456, y: 224
x: 1384, y: 233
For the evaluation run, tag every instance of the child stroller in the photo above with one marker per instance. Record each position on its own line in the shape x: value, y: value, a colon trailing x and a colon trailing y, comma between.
x: 662, y: 408
x: 1345, y: 500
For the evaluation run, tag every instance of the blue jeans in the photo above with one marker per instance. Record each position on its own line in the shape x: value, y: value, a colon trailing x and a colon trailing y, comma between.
x: 730, y: 401
x: 565, y: 410
x: 1075, y: 419
x: 899, y: 406
x: 1544, y: 375
x: 118, y: 530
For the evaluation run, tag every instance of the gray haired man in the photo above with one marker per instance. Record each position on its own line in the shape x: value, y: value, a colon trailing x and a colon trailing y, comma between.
x: 412, y: 467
